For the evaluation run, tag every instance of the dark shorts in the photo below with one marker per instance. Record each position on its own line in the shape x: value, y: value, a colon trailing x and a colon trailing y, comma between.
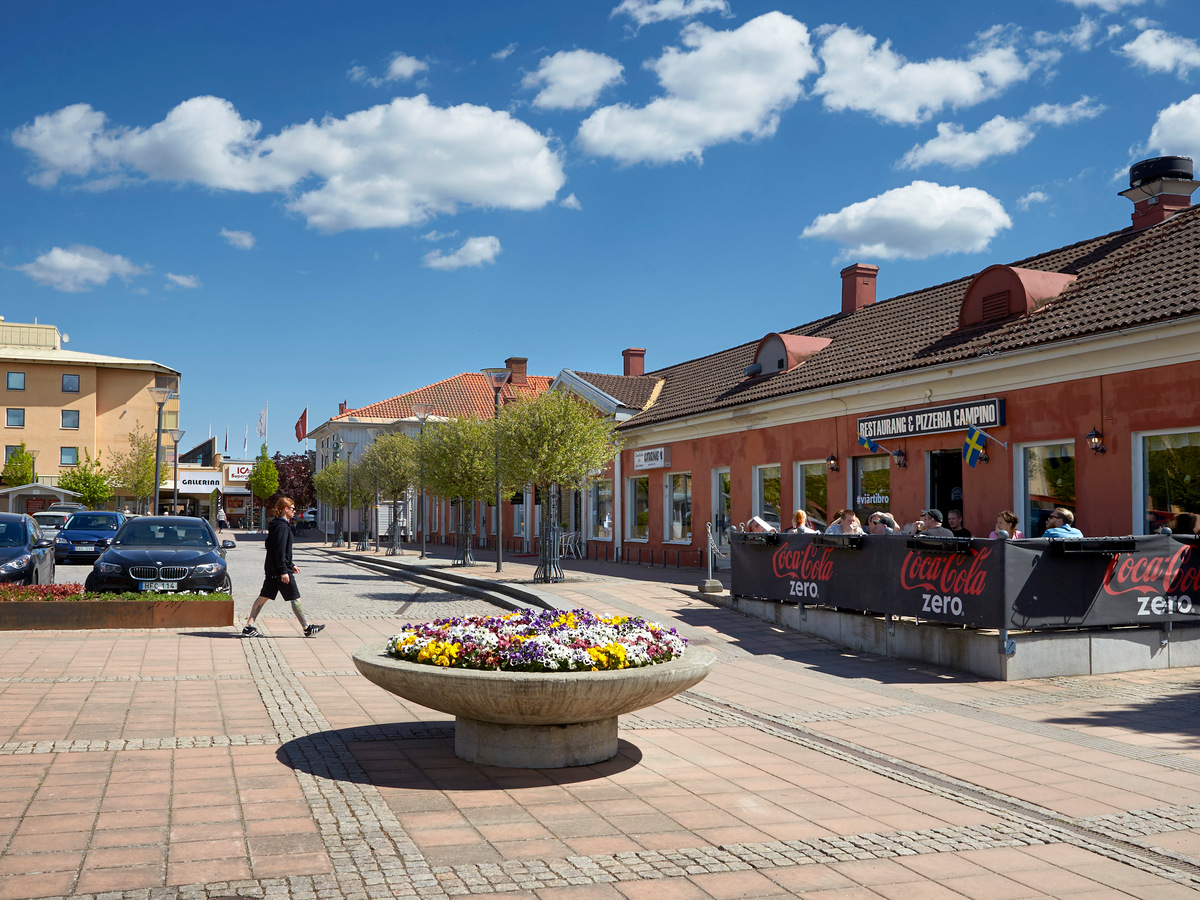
x: 273, y: 587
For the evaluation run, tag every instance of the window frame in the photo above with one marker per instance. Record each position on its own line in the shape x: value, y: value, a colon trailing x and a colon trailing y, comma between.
x: 596, y: 529
x: 62, y: 452
x: 669, y: 508
x: 631, y: 510
x: 757, y: 499
x: 1138, y: 462
x: 1021, y: 501
x: 9, y: 415
x: 8, y: 381
x: 78, y: 383
x: 63, y: 420
x: 800, y: 490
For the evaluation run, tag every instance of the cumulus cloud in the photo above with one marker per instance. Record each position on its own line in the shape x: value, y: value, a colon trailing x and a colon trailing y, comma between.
x: 1081, y: 37
x: 391, y: 165
x: 1158, y: 51
x: 182, y: 281
x: 436, y: 235
x: 1176, y: 130
x: 999, y: 136
x: 862, y: 75
x: 728, y: 85
x: 572, y: 79
x: 477, y: 251
x: 1031, y: 198
x: 400, y: 68
x: 505, y: 52
x: 571, y: 202
x: 647, y: 12
x: 78, y: 268
x: 1105, y: 5
x: 920, y: 220
x: 243, y: 240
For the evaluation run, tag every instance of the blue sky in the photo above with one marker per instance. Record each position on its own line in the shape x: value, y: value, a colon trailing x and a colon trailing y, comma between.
x: 302, y: 203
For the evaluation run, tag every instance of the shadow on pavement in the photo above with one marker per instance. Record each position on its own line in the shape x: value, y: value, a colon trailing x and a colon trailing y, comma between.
x: 1176, y: 717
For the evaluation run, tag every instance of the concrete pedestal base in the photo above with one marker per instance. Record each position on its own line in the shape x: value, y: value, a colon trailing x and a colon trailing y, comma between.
x: 711, y: 586
x: 535, y: 746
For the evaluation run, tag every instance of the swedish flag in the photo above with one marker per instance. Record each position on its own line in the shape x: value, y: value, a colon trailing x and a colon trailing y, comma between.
x: 975, y: 445
x: 865, y: 441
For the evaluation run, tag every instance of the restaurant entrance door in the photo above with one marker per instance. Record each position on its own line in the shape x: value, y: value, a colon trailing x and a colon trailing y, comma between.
x: 945, y: 480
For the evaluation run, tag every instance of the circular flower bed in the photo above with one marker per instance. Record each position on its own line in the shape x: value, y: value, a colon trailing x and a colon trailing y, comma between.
x: 538, y: 641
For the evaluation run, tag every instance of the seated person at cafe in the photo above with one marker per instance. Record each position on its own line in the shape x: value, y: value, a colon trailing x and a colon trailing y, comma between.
x: 881, y: 523
x: 930, y: 525
x: 845, y: 522
x: 758, y: 524
x: 800, y: 523
x: 1186, y: 523
x: 1061, y: 524
x: 1007, y: 521
x: 955, y: 524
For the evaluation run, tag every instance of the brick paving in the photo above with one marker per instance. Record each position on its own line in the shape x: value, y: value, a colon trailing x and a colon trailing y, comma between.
x: 180, y: 764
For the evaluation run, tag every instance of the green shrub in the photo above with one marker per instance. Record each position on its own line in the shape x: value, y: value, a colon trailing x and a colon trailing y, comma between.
x: 75, y: 591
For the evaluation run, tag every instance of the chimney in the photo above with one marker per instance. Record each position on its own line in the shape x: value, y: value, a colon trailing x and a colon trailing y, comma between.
x: 635, y: 360
x: 1159, y: 188
x: 858, y: 286
x: 516, y: 365
x: 342, y: 407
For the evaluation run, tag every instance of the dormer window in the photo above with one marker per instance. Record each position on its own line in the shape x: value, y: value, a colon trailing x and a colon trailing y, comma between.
x: 1000, y: 292
x: 783, y: 352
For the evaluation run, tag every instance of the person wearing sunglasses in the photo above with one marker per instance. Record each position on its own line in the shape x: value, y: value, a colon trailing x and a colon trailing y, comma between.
x: 1061, y: 524
x: 881, y: 523
x: 280, y: 570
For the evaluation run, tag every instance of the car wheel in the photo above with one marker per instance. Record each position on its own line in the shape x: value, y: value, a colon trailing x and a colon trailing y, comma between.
x: 89, y: 584
x: 226, y: 586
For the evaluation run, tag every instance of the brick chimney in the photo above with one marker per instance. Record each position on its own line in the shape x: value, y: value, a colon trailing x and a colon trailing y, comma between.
x: 342, y: 407
x: 635, y: 360
x: 1159, y: 188
x: 858, y: 286
x: 516, y: 365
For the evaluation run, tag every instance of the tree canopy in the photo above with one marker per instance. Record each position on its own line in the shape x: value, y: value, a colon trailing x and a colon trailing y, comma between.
x: 330, y: 485
x: 458, y: 459
x: 392, y: 459
x: 264, y: 477
x: 133, y: 470
x: 89, y: 481
x: 18, y: 468
x: 555, y: 438
x: 295, y: 478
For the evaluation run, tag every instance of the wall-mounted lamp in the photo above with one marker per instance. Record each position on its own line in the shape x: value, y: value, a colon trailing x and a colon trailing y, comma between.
x: 984, y: 458
x: 1095, y: 441
x: 831, y: 461
x: 901, y: 459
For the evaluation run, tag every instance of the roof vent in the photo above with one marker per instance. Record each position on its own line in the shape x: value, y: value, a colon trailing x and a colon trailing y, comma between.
x: 1159, y: 188
x: 1160, y: 167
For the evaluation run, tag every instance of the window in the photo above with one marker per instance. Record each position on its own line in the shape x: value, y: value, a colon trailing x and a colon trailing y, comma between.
x: 15, y: 418
x: 519, y: 515
x: 68, y: 456
x: 1170, y: 477
x: 637, y: 505
x: 70, y: 384
x: 9, y: 450
x: 1048, y: 480
x: 767, y: 489
x: 679, y: 507
x: 600, y: 509
x: 872, y: 484
x: 722, y: 505
x: 811, y: 488
x: 16, y: 381
x: 70, y: 418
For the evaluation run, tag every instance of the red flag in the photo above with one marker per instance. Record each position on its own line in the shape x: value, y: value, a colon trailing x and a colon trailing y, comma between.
x: 302, y: 425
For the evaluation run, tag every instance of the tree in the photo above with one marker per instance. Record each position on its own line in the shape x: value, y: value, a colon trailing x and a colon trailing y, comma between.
x: 295, y: 478
x: 89, y: 481
x: 133, y: 471
x: 330, y: 487
x: 264, y: 477
x: 554, y: 440
x: 18, y: 468
x: 391, y: 461
x: 458, y: 459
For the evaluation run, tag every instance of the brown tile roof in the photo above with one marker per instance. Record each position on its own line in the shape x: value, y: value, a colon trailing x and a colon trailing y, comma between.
x: 632, y: 391
x: 468, y: 394
x: 1125, y: 279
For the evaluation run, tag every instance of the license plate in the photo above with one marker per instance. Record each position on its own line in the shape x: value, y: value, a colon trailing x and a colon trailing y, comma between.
x: 158, y: 585
x: 81, y: 548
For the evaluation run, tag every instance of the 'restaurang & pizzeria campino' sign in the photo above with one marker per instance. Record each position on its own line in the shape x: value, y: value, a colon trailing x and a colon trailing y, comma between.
x: 933, y: 419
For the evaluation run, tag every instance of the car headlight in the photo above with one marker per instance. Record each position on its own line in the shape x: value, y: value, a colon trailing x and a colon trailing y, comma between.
x: 108, y: 568
x: 17, y: 563
x: 61, y: 540
x: 208, y: 569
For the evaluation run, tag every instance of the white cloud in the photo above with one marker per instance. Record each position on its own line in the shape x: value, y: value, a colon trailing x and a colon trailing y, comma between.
x: 78, y: 268
x: 920, y: 220
x: 1176, y: 131
x: 572, y: 79
x: 647, y: 12
x: 727, y: 86
x: 1158, y: 51
x: 1081, y: 37
x: 400, y: 68
x: 862, y: 76
x: 243, y: 240
x: 477, y: 251
x: 1105, y: 5
x: 436, y: 235
x: 391, y: 165
x: 571, y: 202
x: 1031, y: 198
x: 182, y: 281
x: 505, y: 53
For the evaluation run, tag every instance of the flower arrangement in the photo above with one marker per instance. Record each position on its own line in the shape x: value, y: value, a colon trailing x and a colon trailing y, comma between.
x: 46, y: 593
x: 538, y: 641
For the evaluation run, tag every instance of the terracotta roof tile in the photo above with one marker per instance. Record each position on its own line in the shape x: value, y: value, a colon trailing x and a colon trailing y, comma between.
x: 468, y: 394
x: 632, y: 391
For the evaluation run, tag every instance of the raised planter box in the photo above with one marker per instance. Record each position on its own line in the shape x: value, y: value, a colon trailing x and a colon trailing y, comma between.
x: 66, y: 615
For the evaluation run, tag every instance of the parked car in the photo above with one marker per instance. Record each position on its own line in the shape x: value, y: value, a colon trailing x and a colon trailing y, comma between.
x: 51, y: 519
x: 309, y: 518
x: 66, y: 506
x: 163, y: 554
x: 25, y: 555
x: 85, y: 535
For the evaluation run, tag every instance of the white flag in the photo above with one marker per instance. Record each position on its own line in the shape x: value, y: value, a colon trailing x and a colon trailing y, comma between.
x: 262, y: 423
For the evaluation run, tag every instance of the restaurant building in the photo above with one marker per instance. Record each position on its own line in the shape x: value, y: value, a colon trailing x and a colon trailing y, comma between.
x: 1079, y: 367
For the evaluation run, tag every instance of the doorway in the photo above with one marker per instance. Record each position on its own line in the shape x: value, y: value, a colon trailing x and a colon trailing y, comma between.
x: 945, y: 480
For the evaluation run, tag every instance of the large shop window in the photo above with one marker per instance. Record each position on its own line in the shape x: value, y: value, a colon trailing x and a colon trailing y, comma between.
x: 722, y: 505
x: 519, y: 513
x: 679, y: 525
x: 637, y: 506
x: 811, y: 489
x: 1049, y: 481
x: 767, y: 490
x: 872, y: 484
x: 600, y: 506
x: 1170, y: 477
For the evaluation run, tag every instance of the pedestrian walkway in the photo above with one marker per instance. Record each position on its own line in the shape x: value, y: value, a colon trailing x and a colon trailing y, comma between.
x: 194, y: 764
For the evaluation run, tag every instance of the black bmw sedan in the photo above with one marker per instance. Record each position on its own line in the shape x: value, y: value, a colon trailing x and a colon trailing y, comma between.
x: 163, y: 554
x: 25, y: 555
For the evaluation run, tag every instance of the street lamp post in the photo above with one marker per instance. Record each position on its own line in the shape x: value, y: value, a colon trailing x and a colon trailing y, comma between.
x: 348, y: 446
x: 33, y: 466
x: 498, y: 378
x: 161, y: 395
x: 176, y: 435
x: 422, y: 411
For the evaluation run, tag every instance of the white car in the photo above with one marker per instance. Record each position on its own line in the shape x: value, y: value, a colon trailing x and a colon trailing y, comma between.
x: 308, y: 518
x: 51, y: 520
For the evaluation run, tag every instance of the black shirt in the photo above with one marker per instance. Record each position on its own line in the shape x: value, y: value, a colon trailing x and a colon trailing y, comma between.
x: 279, y: 548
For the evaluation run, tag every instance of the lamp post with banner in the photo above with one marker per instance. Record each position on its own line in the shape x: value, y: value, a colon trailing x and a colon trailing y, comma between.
x: 422, y: 411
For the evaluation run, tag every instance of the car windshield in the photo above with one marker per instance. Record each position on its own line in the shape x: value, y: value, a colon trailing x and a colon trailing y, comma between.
x: 90, y: 522
x: 55, y: 520
x: 12, y: 534
x: 157, y: 534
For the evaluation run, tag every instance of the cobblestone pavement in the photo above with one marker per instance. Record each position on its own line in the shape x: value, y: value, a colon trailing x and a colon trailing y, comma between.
x: 194, y: 764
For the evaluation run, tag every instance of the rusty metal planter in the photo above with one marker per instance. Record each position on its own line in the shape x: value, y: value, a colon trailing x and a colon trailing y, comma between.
x: 67, y: 615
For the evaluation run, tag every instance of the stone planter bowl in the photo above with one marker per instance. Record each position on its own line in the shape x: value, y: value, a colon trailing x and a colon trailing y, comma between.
x: 533, y: 720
